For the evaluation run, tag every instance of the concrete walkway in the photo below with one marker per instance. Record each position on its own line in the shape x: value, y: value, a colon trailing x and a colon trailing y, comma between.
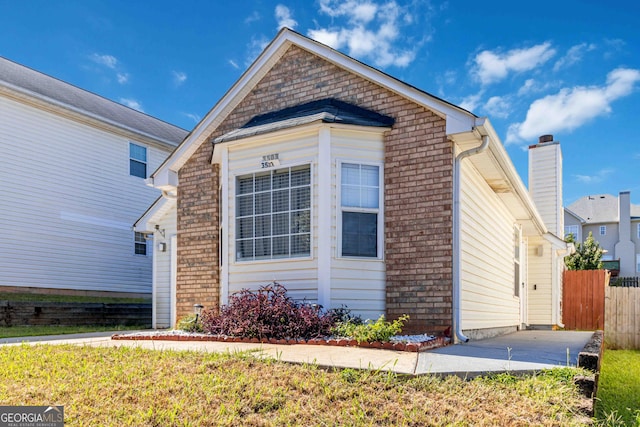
x: 524, y: 351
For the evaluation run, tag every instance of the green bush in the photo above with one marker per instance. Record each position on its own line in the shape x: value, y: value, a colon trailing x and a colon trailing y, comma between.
x: 189, y: 323
x: 370, y: 331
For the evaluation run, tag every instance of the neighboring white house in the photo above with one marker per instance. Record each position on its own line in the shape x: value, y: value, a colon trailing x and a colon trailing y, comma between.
x: 614, y: 223
x: 351, y: 187
x: 72, y: 177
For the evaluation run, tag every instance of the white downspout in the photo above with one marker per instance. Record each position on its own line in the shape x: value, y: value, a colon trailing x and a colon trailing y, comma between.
x: 457, y: 252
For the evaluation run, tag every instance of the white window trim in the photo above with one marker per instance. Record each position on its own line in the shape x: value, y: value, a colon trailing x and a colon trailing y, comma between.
x: 232, y: 215
x: 380, y: 210
x: 146, y: 242
x: 602, y: 230
x: 146, y: 163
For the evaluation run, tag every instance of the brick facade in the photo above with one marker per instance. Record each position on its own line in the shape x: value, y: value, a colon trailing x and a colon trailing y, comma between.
x: 418, y: 190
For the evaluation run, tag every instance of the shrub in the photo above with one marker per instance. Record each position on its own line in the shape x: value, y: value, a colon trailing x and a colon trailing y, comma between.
x: 369, y: 331
x: 267, y: 313
x: 189, y: 323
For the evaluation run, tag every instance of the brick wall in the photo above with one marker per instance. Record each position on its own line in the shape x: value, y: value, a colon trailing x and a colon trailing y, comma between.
x: 418, y: 182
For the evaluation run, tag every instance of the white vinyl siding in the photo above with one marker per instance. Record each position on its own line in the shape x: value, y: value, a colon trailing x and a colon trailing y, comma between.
x: 487, y: 246
x: 357, y: 283
x: 162, y: 268
x: 69, y: 204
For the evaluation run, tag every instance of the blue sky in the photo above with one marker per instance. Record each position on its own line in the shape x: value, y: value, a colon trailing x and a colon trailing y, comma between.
x: 570, y: 68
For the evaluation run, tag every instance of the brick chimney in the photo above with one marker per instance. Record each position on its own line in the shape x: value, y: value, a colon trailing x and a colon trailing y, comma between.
x: 545, y: 182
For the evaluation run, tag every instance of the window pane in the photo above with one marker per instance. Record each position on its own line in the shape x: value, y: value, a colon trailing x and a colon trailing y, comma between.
x: 263, y: 226
x: 244, y: 228
x: 350, y: 174
x: 245, y: 185
x: 300, y: 222
x: 281, y: 246
x: 263, y: 248
x: 369, y: 175
x: 245, y: 249
x: 300, y: 198
x: 245, y: 205
x: 280, y: 224
x: 359, y: 234
x: 140, y: 248
x: 300, y: 245
x: 300, y: 176
x: 369, y: 197
x: 350, y: 196
x: 281, y: 179
x: 263, y: 203
x: 263, y: 182
x: 138, y: 152
x: 137, y: 168
x: 281, y: 200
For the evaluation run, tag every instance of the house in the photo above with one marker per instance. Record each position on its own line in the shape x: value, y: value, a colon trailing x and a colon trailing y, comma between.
x: 351, y: 187
x: 615, y: 225
x: 73, y: 171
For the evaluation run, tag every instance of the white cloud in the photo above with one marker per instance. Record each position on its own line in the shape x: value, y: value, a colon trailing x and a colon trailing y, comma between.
x: 573, y: 56
x: 471, y: 102
x: 254, y: 17
x: 370, y: 31
x: 498, y: 106
x: 179, y: 77
x: 132, y: 103
x: 255, y: 47
x: 234, y: 64
x: 196, y: 118
x: 571, y: 108
x: 491, y: 67
x: 599, y: 176
x: 106, y: 60
x: 284, y: 18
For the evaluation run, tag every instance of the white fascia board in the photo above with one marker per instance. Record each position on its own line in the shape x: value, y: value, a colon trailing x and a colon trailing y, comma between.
x: 153, y: 215
x: 457, y: 119
x: 164, y: 179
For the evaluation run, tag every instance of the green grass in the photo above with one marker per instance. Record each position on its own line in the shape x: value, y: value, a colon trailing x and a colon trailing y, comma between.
x: 131, y: 386
x: 27, y: 297
x: 619, y: 388
x: 32, y: 331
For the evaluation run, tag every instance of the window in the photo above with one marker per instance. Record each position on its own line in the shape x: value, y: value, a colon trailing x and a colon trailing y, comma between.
x: 638, y: 231
x: 140, y: 245
x: 571, y: 230
x: 638, y: 263
x: 360, y: 205
x: 516, y: 261
x: 603, y: 230
x: 273, y: 214
x: 137, y: 160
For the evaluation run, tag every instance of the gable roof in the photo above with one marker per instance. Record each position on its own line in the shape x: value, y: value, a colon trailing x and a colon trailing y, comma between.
x: 457, y: 118
x: 599, y: 208
x: 27, y: 82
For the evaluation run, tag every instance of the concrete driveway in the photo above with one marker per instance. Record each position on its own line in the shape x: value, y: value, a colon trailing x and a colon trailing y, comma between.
x: 524, y: 351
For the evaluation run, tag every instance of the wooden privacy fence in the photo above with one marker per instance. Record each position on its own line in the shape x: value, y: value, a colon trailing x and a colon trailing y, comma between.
x: 622, y: 318
x: 583, y: 299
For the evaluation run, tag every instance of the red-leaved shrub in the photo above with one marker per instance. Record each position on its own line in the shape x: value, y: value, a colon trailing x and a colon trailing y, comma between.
x: 267, y: 313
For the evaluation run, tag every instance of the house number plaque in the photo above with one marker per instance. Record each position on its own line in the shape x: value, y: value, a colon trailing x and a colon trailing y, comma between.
x: 270, y: 160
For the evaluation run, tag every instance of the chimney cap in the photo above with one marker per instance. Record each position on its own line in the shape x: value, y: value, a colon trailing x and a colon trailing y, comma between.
x: 545, y: 138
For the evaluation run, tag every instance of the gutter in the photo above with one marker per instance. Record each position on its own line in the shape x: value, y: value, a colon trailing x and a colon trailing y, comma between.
x: 457, y: 252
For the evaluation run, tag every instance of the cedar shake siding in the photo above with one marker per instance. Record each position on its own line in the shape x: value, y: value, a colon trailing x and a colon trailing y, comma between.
x: 418, y: 191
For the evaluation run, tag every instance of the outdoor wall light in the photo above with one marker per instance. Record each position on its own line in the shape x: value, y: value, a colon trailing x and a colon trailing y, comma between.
x: 162, y: 247
x: 197, y: 309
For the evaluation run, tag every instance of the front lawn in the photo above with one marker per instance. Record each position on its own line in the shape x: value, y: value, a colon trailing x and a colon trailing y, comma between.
x: 618, y: 400
x: 34, y: 331
x: 136, y: 387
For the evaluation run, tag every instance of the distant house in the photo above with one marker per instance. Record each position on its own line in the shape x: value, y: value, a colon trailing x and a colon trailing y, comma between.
x: 351, y: 187
x: 615, y: 225
x: 73, y: 171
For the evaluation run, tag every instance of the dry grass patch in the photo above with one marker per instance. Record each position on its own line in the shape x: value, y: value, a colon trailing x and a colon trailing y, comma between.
x: 137, y: 387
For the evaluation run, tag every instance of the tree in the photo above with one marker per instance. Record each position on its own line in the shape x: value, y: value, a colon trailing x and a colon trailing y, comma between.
x: 588, y: 256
